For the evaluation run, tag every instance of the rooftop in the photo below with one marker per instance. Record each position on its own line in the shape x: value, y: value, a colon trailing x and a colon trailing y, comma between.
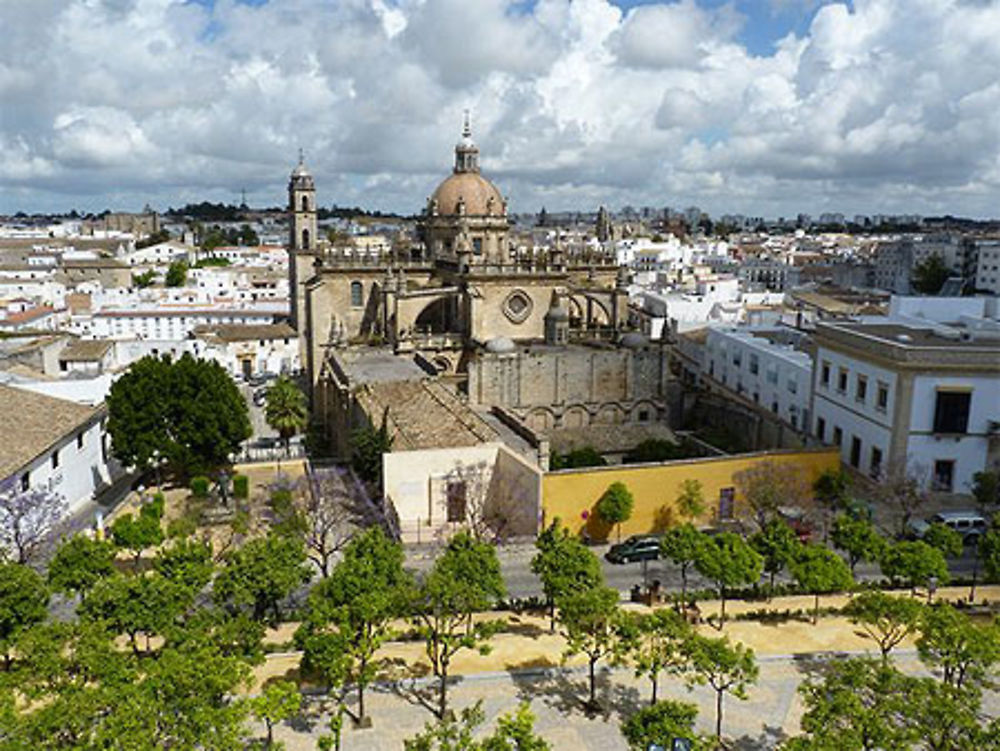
x: 237, y: 333
x: 38, y: 421
x: 364, y: 365
x: 85, y: 350
x: 425, y: 414
x: 901, y: 335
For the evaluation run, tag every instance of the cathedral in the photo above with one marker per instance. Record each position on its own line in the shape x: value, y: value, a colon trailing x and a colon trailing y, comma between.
x: 536, y: 338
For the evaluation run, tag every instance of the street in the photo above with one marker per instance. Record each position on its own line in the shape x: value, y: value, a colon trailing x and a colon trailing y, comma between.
x: 515, y: 564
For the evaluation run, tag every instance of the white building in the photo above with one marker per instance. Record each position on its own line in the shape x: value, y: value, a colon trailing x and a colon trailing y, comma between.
x: 246, y: 350
x: 763, y: 366
x: 988, y: 266
x: 60, y: 446
x: 173, y: 322
x: 907, y: 395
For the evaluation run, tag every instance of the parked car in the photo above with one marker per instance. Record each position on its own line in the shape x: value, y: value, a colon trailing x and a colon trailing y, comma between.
x: 260, y: 397
x: 796, y: 518
x: 635, y: 548
x: 970, y: 524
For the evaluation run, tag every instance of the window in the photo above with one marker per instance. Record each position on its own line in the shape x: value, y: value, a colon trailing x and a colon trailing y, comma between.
x: 305, y: 238
x: 842, y: 381
x: 821, y: 428
x: 772, y: 375
x: 643, y: 415
x: 477, y: 246
x: 855, y: 451
x: 456, y: 501
x: 838, y: 436
x: 79, y: 440
x: 55, y: 459
x: 357, y: 294
x: 951, y: 412
x: 861, y: 388
x: 26, y: 481
x: 754, y: 364
x: 793, y: 385
x: 737, y: 358
x: 825, y: 374
x: 774, y: 407
x: 726, y: 498
x: 875, y: 470
x: 882, y: 397
x: 944, y: 475
x: 305, y: 203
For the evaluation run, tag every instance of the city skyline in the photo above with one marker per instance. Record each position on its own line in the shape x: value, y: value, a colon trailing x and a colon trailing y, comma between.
x: 756, y: 108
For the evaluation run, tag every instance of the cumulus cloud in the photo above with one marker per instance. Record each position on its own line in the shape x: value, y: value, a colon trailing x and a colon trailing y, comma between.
x: 878, y: 105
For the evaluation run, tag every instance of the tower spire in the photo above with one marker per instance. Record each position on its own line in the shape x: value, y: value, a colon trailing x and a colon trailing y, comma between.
x: 466, y: 151
x: 467, y: 127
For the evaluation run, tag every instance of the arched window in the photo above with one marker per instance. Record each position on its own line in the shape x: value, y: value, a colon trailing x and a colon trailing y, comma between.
x: 305, y: 238
x: 357, y: 294
x: 305, y: 203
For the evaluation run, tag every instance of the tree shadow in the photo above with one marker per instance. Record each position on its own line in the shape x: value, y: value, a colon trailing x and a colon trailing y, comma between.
x: 771, y: 738
x: 815, y: 663
x: 420, y: 692
x: 567, y: 693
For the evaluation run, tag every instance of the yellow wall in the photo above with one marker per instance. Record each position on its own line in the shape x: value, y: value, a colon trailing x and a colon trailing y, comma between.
x: 570, y: 493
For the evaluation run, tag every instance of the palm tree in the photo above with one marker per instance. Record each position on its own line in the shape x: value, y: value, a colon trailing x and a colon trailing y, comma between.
x: 285, y: 409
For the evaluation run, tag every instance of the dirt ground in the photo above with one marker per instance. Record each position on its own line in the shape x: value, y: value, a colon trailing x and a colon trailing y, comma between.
x: 527, y: 642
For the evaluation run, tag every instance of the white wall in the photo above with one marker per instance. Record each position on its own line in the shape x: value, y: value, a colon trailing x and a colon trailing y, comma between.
x: 81, y: 471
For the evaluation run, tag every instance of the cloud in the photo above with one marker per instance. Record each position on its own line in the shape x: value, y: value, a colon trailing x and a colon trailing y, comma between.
x: 876, y: 106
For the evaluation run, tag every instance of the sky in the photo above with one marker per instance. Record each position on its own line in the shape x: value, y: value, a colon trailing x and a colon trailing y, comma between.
x: 766, y: 107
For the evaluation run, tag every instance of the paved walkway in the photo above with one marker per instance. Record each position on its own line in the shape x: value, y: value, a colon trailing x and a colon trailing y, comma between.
x: 523, y: 666
x: 399, y: 711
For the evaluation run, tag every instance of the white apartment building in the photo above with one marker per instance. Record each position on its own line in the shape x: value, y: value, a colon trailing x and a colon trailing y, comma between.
x: 762, y: 366
x: 988, y: 266
x: 903, y: 395
x: 246, y: 350
x: 172, y: 322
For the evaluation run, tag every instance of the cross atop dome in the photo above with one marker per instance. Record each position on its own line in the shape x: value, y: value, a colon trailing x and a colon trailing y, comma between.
x: 466, y: 151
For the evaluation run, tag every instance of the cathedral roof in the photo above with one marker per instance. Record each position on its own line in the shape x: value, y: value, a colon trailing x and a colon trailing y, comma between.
x: 471, y: 188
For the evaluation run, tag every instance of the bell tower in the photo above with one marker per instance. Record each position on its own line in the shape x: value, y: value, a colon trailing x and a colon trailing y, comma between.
x: 302, y: 238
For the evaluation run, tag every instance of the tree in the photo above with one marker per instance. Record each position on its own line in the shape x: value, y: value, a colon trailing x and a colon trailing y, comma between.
x: 858, y: 538
x: 989, y: 550
x: 261, y: 575
x: 188, y: 412
x: 176, y: 274
x: 187, y: 563
x: 367, y: 446
x: 690, y: 500
x: 26, y: 519
x: 914, y: 563
x: 945, y: 539
x: 986, y: 491
x: 659, y: 724
x: 589, y: 618
x: 820, y: 571
x: 586, y: 456
x: 930, y: 274
x: 349, y: 614
x: 681, y: 545
x: 886, y: 619
x: 137, y: 533
x: 964, y: 651
x: 564, y: 565
x: 767, y: 486
x: 902, y: 489
x: 79, y: 563
x: 728, y: 561
x: 144, y: 279
x: 134, y: 605
x: 615, y: 506
x: 831, y: 491
x: 285, y: 409
x: 277, y: 702
x: 325, y: 518
x: 778, y: 545
x: 23, y: 602
x: 514, y: 732
x: 727, y: 668
x: 655, y: 643
x: 465, y: 580
x: 857, y: 703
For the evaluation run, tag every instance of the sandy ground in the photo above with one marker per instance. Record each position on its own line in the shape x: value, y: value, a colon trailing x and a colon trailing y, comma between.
x: 528, y: 643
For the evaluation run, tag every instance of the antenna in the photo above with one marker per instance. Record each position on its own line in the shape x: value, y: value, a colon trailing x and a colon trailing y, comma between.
x: 243, y: 197
x: 302, y: 156
x: 467, y: 128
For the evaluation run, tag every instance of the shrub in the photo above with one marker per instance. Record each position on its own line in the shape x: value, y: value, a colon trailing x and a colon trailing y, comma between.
x: 199, y: 486
x: 241, y: 486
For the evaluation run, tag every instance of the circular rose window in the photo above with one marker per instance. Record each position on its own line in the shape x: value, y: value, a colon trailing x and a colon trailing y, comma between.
x: 517, y: 306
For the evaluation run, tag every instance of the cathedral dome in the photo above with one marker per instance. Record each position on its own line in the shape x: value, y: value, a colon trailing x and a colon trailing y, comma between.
x: 500, y: 345
x: 480, y: 196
